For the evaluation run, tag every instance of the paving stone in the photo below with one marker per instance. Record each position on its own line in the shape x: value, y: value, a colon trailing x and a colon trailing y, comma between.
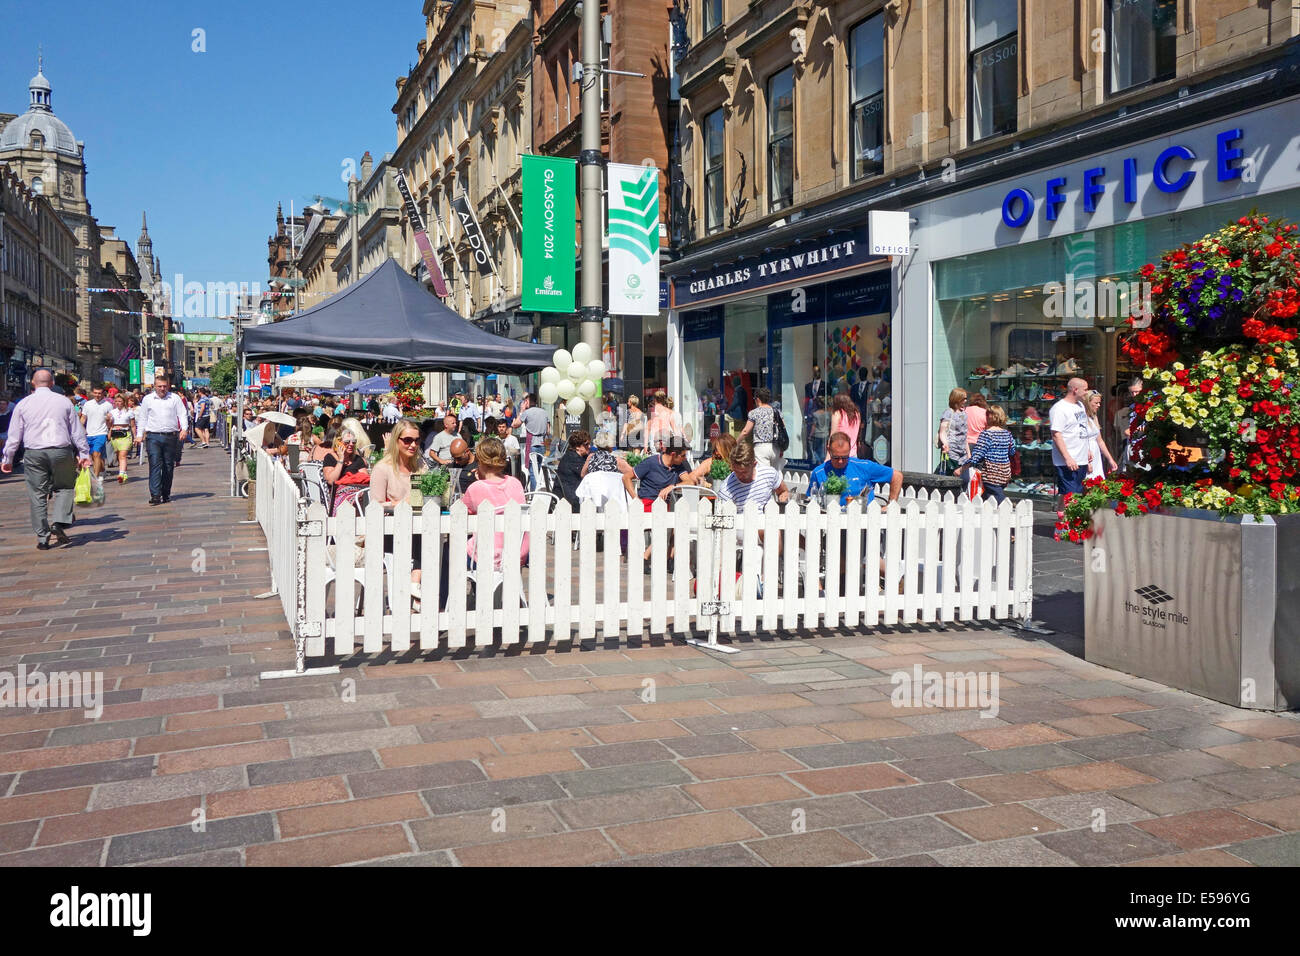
x: 922, y: 798
x: 166, y: 787
x: 530, y: 705
x: 210, y: 858
x: 1120, y: 745
x: 308, y: 768
x: 1119, y: 843
x: 276, y: 796
x: 872, y: 776
x: 933, y: 745
x: 625, y: 807
x: 725, y: 723
x: 1095, y: 776
x: 1254, y: 784
x: 1258, y: 753
x: 636, y: 752
x: 107, y: 730
x: 933, y: 769
x: 1196, y: 858
x: 709, y: 745
x: 584, y: 717
x: 1009, y: 787
x: 818, y: 848
x: 308, y: 821
x: 1025, y: 851
x: 1282, y: 813
x: 1176, y: 796
x: 958, y: 720
x: 176, y: 841
x: 812, y: 813
x: 19, y: 836
x: 841, y: 755
x: 1268, y: 851
x: 378, y: 782
x: 732, y: 854
x: 681, y: 833
x: 462, y: 729
x: 80, y: 775
x: 905, y: 837
x: 742, y: 791
x: 493, y: 793
x: 440, y: 858
x: 1194, y: 738
x: 1168, y: 718
x: 1179, y: 765
x: 1201, y: 829
x: 740, y: 765
x: 89, y: 853
x: 588, y: 783
x: 1019, y: 759
x: 325, y: 724
x: 919, y: 859
x: 582, y: 848
x: 333, y: 849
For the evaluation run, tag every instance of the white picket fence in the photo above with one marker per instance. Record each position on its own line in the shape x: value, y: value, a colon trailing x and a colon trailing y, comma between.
x: 927, y: 558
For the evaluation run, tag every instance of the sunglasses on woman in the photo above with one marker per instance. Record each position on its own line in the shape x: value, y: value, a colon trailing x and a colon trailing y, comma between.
x: 409, y: 441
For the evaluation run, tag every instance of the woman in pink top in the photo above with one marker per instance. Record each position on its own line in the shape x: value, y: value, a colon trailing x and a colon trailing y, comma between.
x: 977, y: 410
x: 493, y: 490
x: 845, y: 418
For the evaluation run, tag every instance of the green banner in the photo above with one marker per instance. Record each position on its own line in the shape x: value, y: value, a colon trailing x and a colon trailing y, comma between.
x: 550, y: 233
x: 134, y: 374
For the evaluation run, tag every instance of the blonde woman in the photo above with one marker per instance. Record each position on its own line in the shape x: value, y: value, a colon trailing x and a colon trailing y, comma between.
x: 1097, y: 449
x: 390, y: 483
x: 363, y: 440
x: 632, y: 436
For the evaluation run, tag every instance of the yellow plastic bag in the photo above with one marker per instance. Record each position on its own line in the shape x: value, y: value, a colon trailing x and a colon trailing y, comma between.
x: 84, y: 496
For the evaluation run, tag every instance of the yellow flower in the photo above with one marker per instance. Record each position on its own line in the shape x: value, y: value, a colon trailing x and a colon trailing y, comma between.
x: 1214, y: 401
x: 1204, y: 413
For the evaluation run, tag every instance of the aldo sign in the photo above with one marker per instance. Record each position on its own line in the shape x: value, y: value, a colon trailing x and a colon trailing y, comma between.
x: 1171, y: 172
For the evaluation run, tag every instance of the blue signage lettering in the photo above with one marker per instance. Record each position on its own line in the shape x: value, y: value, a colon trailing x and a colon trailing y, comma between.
x: 1018, y: 204
x: 1227, y: 155
x: 1026, y: 208
x: 1161, y: 172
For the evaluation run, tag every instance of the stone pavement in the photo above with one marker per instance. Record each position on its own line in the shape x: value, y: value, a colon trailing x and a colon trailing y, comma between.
x: 791, y: 752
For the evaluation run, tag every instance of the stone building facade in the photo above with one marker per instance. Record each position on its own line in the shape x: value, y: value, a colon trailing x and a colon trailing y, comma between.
x: 282, y: 250
x: 316, y: 256
x: 378, y: 222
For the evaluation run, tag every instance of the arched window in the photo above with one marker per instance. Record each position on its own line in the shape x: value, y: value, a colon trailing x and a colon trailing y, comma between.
x: 38, y: 140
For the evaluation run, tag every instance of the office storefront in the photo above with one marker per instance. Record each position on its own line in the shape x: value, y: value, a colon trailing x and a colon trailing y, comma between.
x: 1015, y: 287
x: 805, y: 321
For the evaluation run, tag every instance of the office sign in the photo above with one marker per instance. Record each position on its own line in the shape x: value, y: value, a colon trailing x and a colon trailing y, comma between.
x: 550, y: 234
x: 421, y: 236
x: 473, y: 235
x: 633, y: 240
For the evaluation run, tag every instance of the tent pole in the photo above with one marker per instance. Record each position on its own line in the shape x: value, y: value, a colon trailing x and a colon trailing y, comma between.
x: 239, y: 421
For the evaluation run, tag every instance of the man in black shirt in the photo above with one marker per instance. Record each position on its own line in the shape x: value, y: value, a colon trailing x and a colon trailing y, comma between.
x: 463, y: 470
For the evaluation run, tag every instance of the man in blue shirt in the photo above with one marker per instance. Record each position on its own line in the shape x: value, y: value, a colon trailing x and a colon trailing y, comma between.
x: 861, y: 475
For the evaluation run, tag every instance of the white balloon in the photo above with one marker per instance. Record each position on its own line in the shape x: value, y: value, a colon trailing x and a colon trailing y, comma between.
x: 548, y: 393
x: 561, y: 359
x: 595, y: 370
x: 587, y: 389
x: 576, y: 406
x: 577, y: 371
x: 550, y: 374
x: 566, y: 388
x: 582, y: 353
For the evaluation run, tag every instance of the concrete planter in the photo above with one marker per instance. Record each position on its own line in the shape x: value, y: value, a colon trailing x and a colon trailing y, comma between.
x: 1207, y: 605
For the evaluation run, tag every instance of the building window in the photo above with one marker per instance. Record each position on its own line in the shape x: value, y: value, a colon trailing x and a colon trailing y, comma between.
x: 37, y: 186
x: 1142, y: 38
x: 714, y: 183
x: 38, y: 140
x: 994, y: 46
x: 867, y: 96
x: 780, y: 140
x: 712, y: 14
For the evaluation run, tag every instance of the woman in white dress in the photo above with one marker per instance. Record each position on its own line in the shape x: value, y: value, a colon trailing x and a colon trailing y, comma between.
x: 1097, y: 450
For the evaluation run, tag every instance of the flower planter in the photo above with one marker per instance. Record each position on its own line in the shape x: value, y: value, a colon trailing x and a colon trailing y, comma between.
x: 1207, y: 605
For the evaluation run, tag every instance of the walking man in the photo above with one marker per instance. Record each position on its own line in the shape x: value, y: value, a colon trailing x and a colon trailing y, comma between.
x: 1069, y: 423
x: 94, y: 416
x: 165, y: 423
x: 48, y: 428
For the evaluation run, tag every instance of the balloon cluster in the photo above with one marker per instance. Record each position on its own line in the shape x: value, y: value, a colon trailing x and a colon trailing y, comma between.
x: 573, y: 378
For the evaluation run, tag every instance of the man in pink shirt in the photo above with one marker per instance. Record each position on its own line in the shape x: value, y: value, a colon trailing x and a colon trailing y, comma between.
x: 54, y: 443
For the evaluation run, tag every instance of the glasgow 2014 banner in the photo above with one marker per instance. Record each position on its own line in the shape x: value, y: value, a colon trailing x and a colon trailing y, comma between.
x: 550, y: 234
x: 633, y: 240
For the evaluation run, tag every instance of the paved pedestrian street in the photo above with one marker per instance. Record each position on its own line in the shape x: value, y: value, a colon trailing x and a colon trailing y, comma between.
x: 789, y: 753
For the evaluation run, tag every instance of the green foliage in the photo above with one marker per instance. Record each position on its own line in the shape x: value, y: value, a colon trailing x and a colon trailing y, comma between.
x: 433, y: 484
x: 634, y: 458
x: 225, y: 375
x: 836, y: 485
x: 719, y: 469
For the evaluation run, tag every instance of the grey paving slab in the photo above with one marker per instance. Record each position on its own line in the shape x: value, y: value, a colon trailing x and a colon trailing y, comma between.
x: 1075, y: 810
x: 843, y: 755
x: 905, y: 837
x: 1168, y: 718
x: 1037, y: 757
x: 105, y: 730
x: 437, y: 858
x: 933, y: 745
x: 729, y: 854
x: 946, y: 767
x: 1270, y: 851
x: 356, y: 719
x: 1262, y: 784
x: 125, y: 793
x: 726, y: 723
x: 80, y: 775
x: 813, y: 813
x: 445, y: 730
x: 404, y: 779
x: 1117, y: 745
x: 491, y: 794
x: 586, y: 783
x: 1194, y: 738
x: 1119, y: 843
x: 1176, y: 796
x: 922, y: 798
x: 310, y: 768
x: 519, y: 706
x: 1180, y: 765
x: 710, y: 745
x: 1024, y: 851
x: 584, y: 717
x: 319, y: 745
x: 175, y: 841
x: 939, y: 723
x: 635, y: 752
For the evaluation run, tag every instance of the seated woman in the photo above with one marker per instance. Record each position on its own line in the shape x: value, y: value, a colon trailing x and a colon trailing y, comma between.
x: 345, y: 470
x: 390, y: 483
x: 602, y: 457
x: 568, y: 470
x: 325, y: 445
x: 720, y: 450
x: 493, y: 490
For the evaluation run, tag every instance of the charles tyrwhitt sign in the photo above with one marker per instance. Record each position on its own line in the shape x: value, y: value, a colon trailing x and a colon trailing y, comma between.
x: 550, y: 234
x: 421, y: 236
x: 633, y: 240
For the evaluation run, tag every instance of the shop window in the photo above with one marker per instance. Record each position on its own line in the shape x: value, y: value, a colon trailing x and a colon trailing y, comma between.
x: 780, y: 140
x: 715, y: 185
x: 1141, y: 37
x: 867, y: 96
x: 994, y: 44
x: 712, y: 14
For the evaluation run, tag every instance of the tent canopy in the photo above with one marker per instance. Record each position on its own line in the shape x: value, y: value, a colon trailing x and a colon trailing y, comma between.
x: 375, y: 385
x: 389, y: 322
x: 314, y: 378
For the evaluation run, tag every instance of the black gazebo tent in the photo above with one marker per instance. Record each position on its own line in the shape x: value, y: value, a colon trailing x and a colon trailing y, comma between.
x: 388, y: 322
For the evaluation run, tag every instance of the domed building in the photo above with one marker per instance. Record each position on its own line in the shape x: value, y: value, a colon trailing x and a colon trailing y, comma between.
x: 41, y: 150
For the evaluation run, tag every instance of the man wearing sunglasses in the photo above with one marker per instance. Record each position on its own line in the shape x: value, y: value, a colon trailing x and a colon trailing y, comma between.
x: 862, y: 476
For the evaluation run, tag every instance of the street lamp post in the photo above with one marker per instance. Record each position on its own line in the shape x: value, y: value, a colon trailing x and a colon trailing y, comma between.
x: 592, y: 162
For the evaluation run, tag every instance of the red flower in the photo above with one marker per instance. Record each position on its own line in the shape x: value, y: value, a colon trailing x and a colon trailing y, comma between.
x: 1147, y: 270
x: 1273, y: 249
x: 1121, y: 509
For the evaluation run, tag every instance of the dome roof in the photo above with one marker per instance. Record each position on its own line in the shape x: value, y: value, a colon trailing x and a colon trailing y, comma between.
x: 39, y: 118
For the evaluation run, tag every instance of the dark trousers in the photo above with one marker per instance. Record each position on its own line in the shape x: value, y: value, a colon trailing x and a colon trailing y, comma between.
x: 51, y: 475
x: 996, y: 492
x: 164, y: 452
x: 1070, y: 481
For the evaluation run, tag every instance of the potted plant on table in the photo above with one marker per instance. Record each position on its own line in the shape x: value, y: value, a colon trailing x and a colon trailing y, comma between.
x: 718, y: 472
x: 430, y: 488
x: 833, y: 487
x: 1195, y: 595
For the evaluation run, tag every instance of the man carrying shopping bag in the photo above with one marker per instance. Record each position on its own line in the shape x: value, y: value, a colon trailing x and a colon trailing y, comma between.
x: 54, y: 442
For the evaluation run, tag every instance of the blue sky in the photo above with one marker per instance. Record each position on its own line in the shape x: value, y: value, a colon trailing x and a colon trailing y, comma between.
x: 208, y: 142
